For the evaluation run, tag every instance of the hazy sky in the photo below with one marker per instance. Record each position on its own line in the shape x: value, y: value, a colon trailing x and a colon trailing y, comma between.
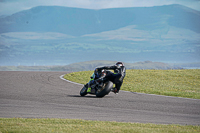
x: 8, y: 7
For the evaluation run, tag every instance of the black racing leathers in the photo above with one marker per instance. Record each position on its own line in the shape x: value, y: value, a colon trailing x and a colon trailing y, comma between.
x: 116, y: 77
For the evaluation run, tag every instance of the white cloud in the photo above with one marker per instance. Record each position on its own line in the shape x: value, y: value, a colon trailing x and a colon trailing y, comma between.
x: 12, y: 6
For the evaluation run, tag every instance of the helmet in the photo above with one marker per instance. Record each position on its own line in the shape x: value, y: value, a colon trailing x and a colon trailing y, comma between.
x: 119, y: 64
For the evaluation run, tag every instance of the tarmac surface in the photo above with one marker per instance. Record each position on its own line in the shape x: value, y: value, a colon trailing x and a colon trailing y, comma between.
x: 46, y: 95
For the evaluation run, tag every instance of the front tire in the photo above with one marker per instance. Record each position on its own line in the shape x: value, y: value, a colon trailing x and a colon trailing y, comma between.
x: 83, y: 91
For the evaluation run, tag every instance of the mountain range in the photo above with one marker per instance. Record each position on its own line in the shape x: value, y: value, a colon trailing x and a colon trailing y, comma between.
x: 54, y: 35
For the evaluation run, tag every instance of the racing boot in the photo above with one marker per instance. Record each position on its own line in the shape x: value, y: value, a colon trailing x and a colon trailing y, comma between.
x: 115, y: 90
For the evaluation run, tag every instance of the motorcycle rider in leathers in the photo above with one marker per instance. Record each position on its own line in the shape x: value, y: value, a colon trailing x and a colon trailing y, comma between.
x: 116, y: 77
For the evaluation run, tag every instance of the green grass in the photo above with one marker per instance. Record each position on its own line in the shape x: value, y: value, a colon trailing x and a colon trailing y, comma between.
x: 24, y: 125
x: 179, y: 83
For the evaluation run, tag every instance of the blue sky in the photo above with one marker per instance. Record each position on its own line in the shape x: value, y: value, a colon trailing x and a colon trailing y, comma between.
x: 8, y: 7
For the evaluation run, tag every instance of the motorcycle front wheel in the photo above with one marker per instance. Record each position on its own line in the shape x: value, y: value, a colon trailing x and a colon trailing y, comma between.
x: 83, y: 91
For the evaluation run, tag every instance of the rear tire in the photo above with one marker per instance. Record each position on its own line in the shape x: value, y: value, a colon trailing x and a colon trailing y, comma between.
x: 105, y: 90
x: 83, y: 91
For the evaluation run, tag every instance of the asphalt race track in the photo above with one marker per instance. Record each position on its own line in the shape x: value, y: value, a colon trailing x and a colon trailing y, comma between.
x: 45, y: 95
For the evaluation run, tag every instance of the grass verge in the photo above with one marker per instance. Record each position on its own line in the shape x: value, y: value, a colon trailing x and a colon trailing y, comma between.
x: 24, y: 125
x: 179, y: 83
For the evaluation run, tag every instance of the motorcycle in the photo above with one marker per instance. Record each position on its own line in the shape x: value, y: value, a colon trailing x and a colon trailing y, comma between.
x: 98, y: 89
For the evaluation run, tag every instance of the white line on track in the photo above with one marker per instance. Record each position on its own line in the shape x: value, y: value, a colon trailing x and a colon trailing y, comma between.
x: 62, y: 77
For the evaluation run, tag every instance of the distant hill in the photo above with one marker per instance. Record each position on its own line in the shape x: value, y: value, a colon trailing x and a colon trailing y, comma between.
x: 54, y: 35
x: 90, y: 65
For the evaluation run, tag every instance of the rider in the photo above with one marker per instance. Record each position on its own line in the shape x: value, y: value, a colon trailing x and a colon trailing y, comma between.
x: 116, y: 77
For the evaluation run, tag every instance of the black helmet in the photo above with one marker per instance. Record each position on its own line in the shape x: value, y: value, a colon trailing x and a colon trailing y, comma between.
x: 119, y: 64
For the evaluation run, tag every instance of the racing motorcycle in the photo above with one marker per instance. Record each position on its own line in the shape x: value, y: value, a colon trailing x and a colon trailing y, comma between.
x: 100, y: 89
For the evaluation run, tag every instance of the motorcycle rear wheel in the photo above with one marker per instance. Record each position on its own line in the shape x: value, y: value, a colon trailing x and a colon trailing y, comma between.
x: 105, y: 89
